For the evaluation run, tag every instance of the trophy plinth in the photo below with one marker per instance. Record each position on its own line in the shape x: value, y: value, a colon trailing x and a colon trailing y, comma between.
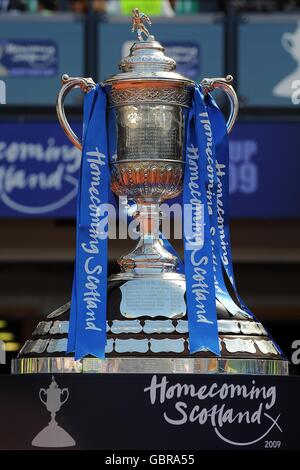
x: 151, y: 345
x: 147, y: 327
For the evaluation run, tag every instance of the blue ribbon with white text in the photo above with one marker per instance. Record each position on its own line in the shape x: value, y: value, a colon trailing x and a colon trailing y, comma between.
x: 87, y: 334
x: 207, y: 255
x: 198, y: 255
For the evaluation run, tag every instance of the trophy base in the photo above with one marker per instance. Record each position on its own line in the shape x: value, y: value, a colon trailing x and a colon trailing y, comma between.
x: 53, y: 436
x: 140, y: 342
x: 150, y: 365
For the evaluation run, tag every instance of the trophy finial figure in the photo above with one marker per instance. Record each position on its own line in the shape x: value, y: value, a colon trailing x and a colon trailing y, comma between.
x: 138, y: 24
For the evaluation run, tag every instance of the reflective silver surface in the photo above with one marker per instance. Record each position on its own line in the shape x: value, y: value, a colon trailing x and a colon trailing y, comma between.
x: 57, y: 345
x: 155, y: 180
x: 224, y: 84
x: 126, y: 326
x: 69, y: 83
x: 60, y: 311
x: 42, y: 328
x: 149, y: 132
x: 232, y: 345
x: 147, y: 125
x: 59, y: 327
x: 148, y: 104
x: 153, y: 298
x: 158, y: 326
x: 151, y: 95
x: 151, y: 365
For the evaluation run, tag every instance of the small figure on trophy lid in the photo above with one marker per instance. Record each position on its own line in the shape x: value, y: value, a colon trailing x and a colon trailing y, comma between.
x: 138, y: 20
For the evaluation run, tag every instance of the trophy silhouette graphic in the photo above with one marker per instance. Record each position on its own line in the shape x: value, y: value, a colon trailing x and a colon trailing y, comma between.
x: 291, y: 43
x: 53, y: 435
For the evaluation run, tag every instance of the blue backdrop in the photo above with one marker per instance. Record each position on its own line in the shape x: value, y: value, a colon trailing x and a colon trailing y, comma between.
x: 39, y: 170
x: 35, y: 52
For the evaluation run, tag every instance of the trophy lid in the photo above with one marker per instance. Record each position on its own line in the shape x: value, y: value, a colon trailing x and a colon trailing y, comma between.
x: 147, y: 55
x: 146, y: 60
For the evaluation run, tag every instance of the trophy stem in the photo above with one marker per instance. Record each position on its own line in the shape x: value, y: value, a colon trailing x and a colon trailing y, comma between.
x: 149, y: 256
x: 148, y: 216
x: 53, y: 420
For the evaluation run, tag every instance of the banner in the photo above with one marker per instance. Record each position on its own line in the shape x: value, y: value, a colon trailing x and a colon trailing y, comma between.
x: 39, y: 170
x: 24, y: 58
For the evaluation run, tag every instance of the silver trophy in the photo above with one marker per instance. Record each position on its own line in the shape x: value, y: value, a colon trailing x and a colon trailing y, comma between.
x: 147, y: 331
x: 148, y: 106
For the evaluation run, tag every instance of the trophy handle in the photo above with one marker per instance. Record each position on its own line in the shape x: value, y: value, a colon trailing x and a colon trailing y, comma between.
x: 68, y: 83
x: 65, y: 390
x: 209, y: 84
x: 42, y: 390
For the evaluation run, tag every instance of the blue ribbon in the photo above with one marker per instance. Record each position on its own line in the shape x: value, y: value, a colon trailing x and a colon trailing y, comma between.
x: 222, y: 185
x: 216, y: 196
x: 198, y: 253
x: 222, y: 190
x: 207, y: 144
x: 87, y: 334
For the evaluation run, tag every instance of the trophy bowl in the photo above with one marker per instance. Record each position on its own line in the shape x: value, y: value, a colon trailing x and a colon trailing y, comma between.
x: 147, y: 180
x: 147, y: 165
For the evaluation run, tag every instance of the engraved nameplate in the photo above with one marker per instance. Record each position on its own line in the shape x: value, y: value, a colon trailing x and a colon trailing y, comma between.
x: 153, y: 298
x: 59, y: 311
